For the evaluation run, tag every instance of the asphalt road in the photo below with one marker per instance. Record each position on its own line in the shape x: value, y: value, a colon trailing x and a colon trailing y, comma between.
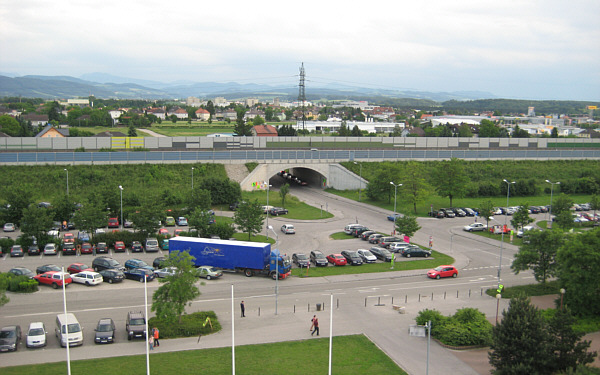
x: 355, y: 296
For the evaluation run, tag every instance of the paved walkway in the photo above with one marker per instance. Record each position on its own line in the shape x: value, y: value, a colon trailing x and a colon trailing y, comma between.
x: 150, y: 132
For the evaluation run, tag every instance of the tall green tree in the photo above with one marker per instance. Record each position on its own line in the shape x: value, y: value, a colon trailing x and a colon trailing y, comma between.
x: 539, y: 254
x: 241, y: 128
x: 451, y: 179
x: 521, y: 217
x: 90, y: 217
x: 249, y: 218
x: 579, y: 272
x: 283, y: 192
x: 17, y: 199
x: 521, y: 342
x: 258, y: 120
x: 562, y: 203
x: 356, y: 132
x: 200, y: 220
x: 415, y: 188
x: 488, y: 129
x: 177, y: 290
x: 569, y: 350
x: 564, y: 220
x: 147, y: 218
x: 407, y: 225
x: 486, y: 210
x: 37, y: 221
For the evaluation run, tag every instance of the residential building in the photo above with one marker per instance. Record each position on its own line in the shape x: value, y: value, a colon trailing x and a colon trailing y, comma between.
x: 264, y: 131
x: 51, y: 132
x: 202, y: 114
x: 180, y: 113
x: 36, y: 120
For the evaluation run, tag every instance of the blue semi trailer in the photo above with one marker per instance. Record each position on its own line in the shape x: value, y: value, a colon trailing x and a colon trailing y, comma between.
x: 251, y: 258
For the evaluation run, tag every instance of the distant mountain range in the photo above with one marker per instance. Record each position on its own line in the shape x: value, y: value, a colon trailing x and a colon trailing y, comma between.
x: 108, y: 86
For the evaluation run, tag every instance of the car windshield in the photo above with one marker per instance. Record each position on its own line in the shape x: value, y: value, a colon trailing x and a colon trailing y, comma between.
x: 438, y: 268
x: 137, y: 322
x: 7, y: 334
x: 36, y: 332
x: 73, y: 328
x: 301, y: 256
x: 104, y: 328
x: 319, y: 256
x: 385, y: 252
x: 113, y: 263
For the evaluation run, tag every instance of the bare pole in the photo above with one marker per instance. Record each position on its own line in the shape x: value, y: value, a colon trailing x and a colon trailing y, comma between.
x: 64, y: 289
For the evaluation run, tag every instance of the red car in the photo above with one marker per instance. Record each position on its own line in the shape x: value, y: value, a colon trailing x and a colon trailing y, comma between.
x: 86, y: 248
x: 442, y: 271
x: 119, y: 247
x: 53, y: 278
x: 336, y: 259
x: 113, y: 222
x: 178, y: 231
x: 78, y: 267
x: 163, y: 231
x: 69, y: 237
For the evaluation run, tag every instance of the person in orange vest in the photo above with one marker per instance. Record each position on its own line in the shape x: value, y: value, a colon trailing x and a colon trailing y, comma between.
x: 155, y: 334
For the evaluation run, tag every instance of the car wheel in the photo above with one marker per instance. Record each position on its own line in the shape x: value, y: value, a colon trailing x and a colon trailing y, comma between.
x: 426, y: 255
x: 455, y: 275
x: 437, y: 277
x: 141, y: 280
x: 408, y: 255
x: 208, y: 277
x: 274, y: 275
x: 87, y: 283
x: 54, y: 285
x: 110, y: 281
x: 129, y: 337
x: 248, y: 272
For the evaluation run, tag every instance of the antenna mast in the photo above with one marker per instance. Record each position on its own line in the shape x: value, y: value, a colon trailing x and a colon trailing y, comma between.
x: 302, y: 93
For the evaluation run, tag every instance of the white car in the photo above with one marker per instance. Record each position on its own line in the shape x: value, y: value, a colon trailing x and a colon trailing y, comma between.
x: 397, y: 246
x: 9, y: 227
x: 475, y: 227
x: 36, y: 335
x: 522, y: 231
x: 164, y: 272
x: 50, y: 249
x: 366, y: 256
x: 87, y: 277
x: 288, y: 229
x: 266, y: 209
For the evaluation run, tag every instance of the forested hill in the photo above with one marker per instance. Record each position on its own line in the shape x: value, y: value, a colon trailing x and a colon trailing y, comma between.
x: 516, y: 106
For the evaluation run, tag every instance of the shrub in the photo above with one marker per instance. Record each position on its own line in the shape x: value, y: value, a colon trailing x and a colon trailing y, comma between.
x: 190, y: 325
x: 437, y: 320
x: 17, y: 284
x: 467, y: 327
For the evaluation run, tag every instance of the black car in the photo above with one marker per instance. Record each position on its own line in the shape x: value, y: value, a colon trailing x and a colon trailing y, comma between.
x: 47, y: 267
x: 459, y: 212
x: 112, y: 275
x: 374, y: 238
x: 158, y: 262
x: 318, y: 258
x: 437, y: 214
x: 352, y: 258
x: 381, y: 253
x: 105, y: 331
x: 468, y: 211
x: 9, y: 338
x: 300, y: 259
x: 68, y: 248
x: 136, y: 247
x: 135, y: 325
x: 138, y: 274
x: 276, y: 211
x: 358, y: 231
x: 365, y: 235
x: 101, y: 248
x: 22, y: 271
x: 448, y: 212
x: 415, y: 251
x: 535, y: 210
x: 33, y: 250
x: 16, y: 251
x: 104, y: 263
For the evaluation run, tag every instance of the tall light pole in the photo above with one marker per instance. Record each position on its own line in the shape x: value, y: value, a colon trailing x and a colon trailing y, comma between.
x: 360, y: 188
x: 66, y: 170
x: 192, y: 182
x: 121, y: 189
x: 395, y: 195
x: 551, y: 191
x: 505, y: 219
x: 276, y: 268
x: 268, y: 188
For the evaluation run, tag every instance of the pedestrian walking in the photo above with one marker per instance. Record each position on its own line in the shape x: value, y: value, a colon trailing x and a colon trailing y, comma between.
x: 315, y: 325
x: 155, y: 334
x: 243, y: 308
x: 151, y: 342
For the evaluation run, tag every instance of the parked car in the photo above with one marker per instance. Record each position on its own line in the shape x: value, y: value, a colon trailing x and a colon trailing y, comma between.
x: 387, y: 241
x: 165, y: 272
x: 78, y: 267
x: 68, y: 237
x: 112, y: 275
x: 448, y: 212
x: 83, y: 236
x: 170, y: 221
x: 113, y: 222
x: 68, y: 248
x: 105, y: 331
x: 158, y: 262
x: 22, y: 271
x: 54, y: 279
x: 16, y: 251
x: 33, y: 250
x: 358, y: 231
x: 374, y: 238
x: 318, y: 258
x: 439, y: 214
x: 136, y: 247
x: 415, y: 251
x: 87, y: 248
x: 138, y: 274
x: 442, y: 271
x: 152, y: 245
x: 128, y: 224
x: 276, y: 211
x: 182, y: 221
x: 350, y: 227
x: 104, y: 263
x: 393, y: 217
x: 36, y: 335
x: 208, y: 272
x: 288, y: 229
x: 336, y: 259
x: 381, y: 253
x: 88, y: 278
x: 119, y: 247
x: 135, y: 325
x: 50, y: 249
x: 46, y: 268
x: 300, y: 259
x: 523, y: 230
x: 475, y: 227
x: 266, y: 209
x: 352, y: 258
x: 9, y: 338
x: 468, y: 211
x: 137, y: 263
x: 365, y: 235
x: 367, y: 256
x: 396, y: 247
x: 163, y: 231
x: 164, y: 245
x: 9, y: 227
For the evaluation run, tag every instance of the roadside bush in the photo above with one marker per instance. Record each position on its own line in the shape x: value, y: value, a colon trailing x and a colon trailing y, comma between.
x: 487, y: 189
x: 191, y: 325
x: 467, y: 327
x: 17, y: 284
x: 5, y: 244
x: 223, y: 230
x: 437, y: 320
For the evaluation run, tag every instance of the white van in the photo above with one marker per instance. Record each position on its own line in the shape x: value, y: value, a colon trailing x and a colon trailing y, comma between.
x: 348, y: 229
x: 75, y: 331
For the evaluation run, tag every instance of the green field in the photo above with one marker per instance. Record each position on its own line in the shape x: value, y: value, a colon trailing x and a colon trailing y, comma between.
x: 297, y: 210
x: 351, y: 355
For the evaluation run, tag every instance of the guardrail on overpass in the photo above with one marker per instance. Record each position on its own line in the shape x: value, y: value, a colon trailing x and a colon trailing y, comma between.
x: 278, y: 156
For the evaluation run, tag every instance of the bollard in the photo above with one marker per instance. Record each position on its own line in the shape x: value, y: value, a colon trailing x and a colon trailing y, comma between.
x: 432, y: 296
x: 392, y: 300
x: 338, y: 303
x: 309, y: 307
x: 456, y: 293
x: 365, y: 301
x: 405, y: 298
x: 444, y: 295
x: 482, y: 292
x: 294, y: 309
x: 469, y: 293
x: 419, y: 297
x: 259, y: 311
x: 323, y: 306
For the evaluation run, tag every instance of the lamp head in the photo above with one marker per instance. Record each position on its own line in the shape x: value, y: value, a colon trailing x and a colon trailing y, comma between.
x: 120, y: 187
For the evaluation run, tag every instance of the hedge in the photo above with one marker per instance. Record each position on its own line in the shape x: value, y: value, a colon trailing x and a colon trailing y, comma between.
x: 190, y: 325
x: 17, y: 284
x: 467, y: 327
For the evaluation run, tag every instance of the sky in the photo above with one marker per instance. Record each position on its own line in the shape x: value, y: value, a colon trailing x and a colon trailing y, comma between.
x: 521, y: 49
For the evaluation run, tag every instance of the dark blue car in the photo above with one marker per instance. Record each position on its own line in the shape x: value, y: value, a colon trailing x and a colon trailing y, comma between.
x: 138, y: 274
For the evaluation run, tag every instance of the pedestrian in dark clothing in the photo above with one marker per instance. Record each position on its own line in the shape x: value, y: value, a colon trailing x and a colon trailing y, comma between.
x: 315, y: 325
x: 243, y: 307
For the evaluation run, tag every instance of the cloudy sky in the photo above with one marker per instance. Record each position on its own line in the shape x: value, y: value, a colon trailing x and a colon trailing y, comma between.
x: 546, y: 49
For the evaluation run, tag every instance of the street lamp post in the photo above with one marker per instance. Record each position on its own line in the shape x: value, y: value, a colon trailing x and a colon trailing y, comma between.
x: 121, y: 189
x: 66, y: 170
x: 192, y: 183
x: 395, y: 196
x: 505, y: 219
x: 276, y: 268
x: 360, y: 188
x: 268, y: 189
x: 498, y: 297
x: 562, y: 294
x: 550, y: 210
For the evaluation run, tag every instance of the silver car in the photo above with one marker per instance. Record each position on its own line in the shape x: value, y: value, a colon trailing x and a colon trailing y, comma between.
x: 208, y: 272
x: 50, y: 249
